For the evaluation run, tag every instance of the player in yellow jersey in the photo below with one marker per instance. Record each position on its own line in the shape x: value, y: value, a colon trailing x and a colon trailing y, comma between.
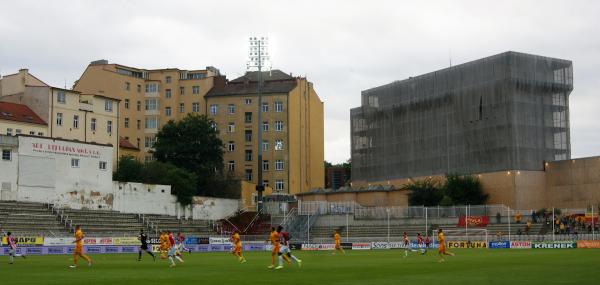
x: 79, y: 248
x: 164, y: 245
x: 442, y: 249
x: 274, y: 239
x: 338, y: 244
x: 237, y: 247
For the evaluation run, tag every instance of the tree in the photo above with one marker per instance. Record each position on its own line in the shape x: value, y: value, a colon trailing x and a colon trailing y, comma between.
x: 183, y: 182
x: 128, y: 170
x: 425, y: 192
x: 192, y: 144
x: 464, y: 190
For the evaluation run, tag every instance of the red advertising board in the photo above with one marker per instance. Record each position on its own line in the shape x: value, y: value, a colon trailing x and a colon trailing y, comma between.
x: 588, y: 244
x: 474, y: 221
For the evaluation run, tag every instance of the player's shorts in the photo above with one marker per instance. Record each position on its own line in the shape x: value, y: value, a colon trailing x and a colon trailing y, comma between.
x: 442, y: 248
x: 338, y: 245
x: 172, y: 251
x: 78, y: 249
x: 11, y: 251
x: 276, y: 249
x: 284, y: 249
x: 237, y: 248
x: 144, y: 247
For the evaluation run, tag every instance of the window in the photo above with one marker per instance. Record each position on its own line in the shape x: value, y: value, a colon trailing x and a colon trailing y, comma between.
x: 139, y: 105
x: 266, y: 183
x: 265, y: 107
x: 231, y: 127
x: 195, y: 107
x: 248, y: 135
x: 109, y: 127
x: 126, y: 122
x: 9, y: 131
x: 168, y: 79
x: 248, y: 101
x: 231, y: 165
x: 32, y: 133
x: 248, y: 155
x: 248, y: 117
x: 151, y: 123
x: 75, y: 162
x: 231, y: 109
x: 139, y: 88
x: 40, y: 134
x: 151, y: 88
x: 61, y: 98
x: 17, y: 131
x: 167, y: 111
x: 248, y: 175
x: 279, y: 164
x: 127, y: 86
x: 279, y: 185
x: 265, y: 145
x: 265, y: 165
x: 181, y: 90
x: 126, y: 103
x: 213, y: 109
x: 265, y: 126
x: 139, y: 124
x: 181, y: 107
x: 149, y: 142
x: 93, y: 124
x: 195, y: 89
x: 108, y: 105
x: 59, y: 119
x: 231, y: 146
x: 6, y: 154
x: 214, y: 126
x: 102, y: 165
x: 278, y: 144
x: 278, y: 106
x: 168, y: 93
x: 151, y: 104
x: 279, y: 126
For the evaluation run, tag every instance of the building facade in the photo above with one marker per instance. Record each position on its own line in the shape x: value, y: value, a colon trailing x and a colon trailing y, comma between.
x: 291, y: 124
x: 149, y: 98
x: 500, y: 113
x: 16, y: 119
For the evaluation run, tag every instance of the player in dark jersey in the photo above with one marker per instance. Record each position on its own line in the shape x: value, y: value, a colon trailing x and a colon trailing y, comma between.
x: 144, y: 246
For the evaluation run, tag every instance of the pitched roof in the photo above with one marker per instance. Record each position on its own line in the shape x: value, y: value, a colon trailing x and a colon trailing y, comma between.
x: 124, y: 143
x: 251, y: 88
x: 266, y: 76
x: 19, y: 113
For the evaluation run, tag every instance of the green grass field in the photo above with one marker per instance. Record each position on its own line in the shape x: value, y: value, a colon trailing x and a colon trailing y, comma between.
x: 473, y: 266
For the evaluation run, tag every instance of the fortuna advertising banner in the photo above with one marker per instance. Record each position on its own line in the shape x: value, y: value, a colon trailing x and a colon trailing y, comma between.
x: 467, y: 244
x: 474, y: 221
x: 554, y: 245
x: 520, y: 245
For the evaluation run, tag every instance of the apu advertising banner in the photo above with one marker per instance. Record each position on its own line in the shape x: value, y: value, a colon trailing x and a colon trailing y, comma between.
x: 25, y: 241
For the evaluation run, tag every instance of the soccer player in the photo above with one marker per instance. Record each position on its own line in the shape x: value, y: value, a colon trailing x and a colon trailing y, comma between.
x: 274, y: 239
x: 427, y: 242
x: 143, y: 238
x: 173, y: 249
x: 406, y: 244
x: 79, y: 248
x: 338, y: 245
x: 285, y: 252
x: 181, y: 243
x: 420, y: 244
x: 442, y: 250
x: 12, y: 248
x: 237, y: 247
x: 164, y: 244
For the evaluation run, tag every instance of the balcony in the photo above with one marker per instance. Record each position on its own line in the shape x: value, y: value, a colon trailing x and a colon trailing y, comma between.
x: 151, y: 94
x: 152, y: 112
x: 85, y: 106
x: 150, y: 130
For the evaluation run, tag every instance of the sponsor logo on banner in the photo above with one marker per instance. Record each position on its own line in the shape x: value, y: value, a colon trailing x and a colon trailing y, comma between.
x: 56, y: 250
x: 361, y: 246
x: 474, y: 221
x: 380, y: 245
x: 25, y: 241
x: 111, y: 249
x: 588, y: 244
x: 295, y: 246
x: 467, y: 244
x: 219, y: 240
x: 93, y: 249
x: 34, y: 250
x: 499, y: 244
x: 192, y: 240
x: 125, y: 241
x: 58, y: 241
x: 318, y: 246
x: 554, y: 245
x: 520, y: 244
x: 129, y: 249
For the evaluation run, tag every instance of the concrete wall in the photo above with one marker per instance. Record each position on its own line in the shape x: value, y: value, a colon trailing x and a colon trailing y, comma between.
x: 8, y: 168
x: 573, y: 183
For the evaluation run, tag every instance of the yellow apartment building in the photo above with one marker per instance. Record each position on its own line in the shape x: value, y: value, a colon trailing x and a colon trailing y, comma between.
x: 16, y: 119
x: 292, y: 126
x: 149, y: 97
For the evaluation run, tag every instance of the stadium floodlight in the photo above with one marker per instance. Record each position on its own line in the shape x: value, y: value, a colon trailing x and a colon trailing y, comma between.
x: 258, y: 54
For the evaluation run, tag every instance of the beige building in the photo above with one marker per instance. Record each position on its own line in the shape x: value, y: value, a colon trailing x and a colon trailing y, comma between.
x: 16, y: 119
x: 149, y: 98
x: 292, y: 126
x: 71, y: 115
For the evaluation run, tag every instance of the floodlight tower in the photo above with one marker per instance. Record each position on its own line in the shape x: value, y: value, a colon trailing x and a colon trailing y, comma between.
x: 258, y: 57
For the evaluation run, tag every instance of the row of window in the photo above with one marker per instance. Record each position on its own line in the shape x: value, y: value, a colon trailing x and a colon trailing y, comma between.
x: 153, y: 88
x: 279, y: 183
x: 265, y: 127
x: 279, y: 165
x: 93, y: 122
x: 265, y: 146
x: 75, y: 164
x: 231, y: 108
x: 61, y: 98
x: 152, y: 105
x: 9, y: 132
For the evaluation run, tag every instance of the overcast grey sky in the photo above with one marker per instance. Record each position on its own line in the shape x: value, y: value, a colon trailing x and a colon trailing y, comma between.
x: 342, y: 46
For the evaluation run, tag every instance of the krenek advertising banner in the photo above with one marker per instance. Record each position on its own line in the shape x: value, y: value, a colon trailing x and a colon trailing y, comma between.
x: 474, y: 221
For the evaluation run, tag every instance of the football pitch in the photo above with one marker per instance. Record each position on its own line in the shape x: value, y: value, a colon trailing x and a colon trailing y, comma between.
x: 469, y: 266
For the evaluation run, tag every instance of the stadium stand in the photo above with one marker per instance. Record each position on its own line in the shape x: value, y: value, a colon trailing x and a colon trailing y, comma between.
x: 23, y: 218
x: 173, y: 224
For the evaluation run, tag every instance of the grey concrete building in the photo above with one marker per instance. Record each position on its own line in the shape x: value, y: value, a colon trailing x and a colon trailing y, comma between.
x: 504, y: 112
